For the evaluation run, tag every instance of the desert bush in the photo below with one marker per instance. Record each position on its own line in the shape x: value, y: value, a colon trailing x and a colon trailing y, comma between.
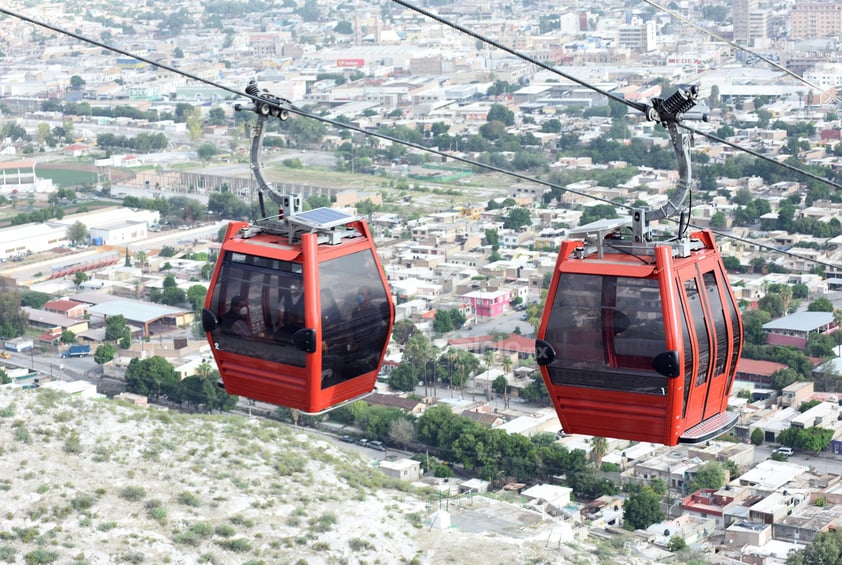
x: 189, y: 499
x: 239, y: 545
x: 40, y: 556
x: 224, y: 530
x: 132, y: 493
x: 359, y: 544
x: 82, y: 502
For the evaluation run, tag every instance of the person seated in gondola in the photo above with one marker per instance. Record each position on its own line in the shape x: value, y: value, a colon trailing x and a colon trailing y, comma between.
x: 332, y: 359
x: 290, y: 314
x: 235, y: 320
x: 367, y: 318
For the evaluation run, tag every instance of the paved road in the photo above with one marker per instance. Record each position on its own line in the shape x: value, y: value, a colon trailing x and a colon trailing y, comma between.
x: 506, y: 322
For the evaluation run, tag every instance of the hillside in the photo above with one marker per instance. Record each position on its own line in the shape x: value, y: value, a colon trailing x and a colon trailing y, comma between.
x: 98, y: 481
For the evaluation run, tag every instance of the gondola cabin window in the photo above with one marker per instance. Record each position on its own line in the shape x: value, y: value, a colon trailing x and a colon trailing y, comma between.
x: 271, y: 291
x: 606, y: 332
x: 355, y: 314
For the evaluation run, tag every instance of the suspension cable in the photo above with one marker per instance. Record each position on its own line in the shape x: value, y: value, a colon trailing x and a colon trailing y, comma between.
x: 763, y: 58
x: 293, y: 109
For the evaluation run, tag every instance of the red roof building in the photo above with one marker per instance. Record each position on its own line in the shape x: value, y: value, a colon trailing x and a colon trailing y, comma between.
x: 69, y: 308
x: 757, y: 371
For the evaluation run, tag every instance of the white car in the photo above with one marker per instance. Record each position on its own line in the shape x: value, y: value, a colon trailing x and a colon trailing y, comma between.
x: 784, y: 451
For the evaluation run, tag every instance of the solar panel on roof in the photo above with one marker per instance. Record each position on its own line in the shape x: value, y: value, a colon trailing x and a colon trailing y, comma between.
x: 323, y: 218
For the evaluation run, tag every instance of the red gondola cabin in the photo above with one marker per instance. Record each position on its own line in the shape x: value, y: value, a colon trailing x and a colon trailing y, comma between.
x: 641, y: 347
x: 304, y: 324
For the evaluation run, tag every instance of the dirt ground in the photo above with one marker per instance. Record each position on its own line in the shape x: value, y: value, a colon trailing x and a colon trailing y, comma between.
x: 99, y: 481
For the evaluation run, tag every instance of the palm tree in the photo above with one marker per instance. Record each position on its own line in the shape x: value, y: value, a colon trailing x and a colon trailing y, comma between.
x: 488, y: 355
x: 507, y: 367
x: 599, y: 447
x: 141, y: 258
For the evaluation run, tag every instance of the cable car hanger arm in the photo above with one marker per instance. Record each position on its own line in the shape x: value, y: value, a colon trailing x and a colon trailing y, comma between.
x: 265, y: 105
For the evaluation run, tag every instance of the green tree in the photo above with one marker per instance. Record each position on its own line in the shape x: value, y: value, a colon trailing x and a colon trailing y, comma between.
x: 116, y: 329
x: 442, y: 322
x: 800, y: 291
x: 676, y: 544
x: 597, y: 212
x: 782, y: 378
x: 403, y: 330
x: 821, y: 304
x: 79, y: 278
x: 642, y: 509
x: 456, y: 366
x: 718, y: 220
x: 67, y: 336
x: 151, y: 377
x: 77, y: 232
x: 172, y: 296
x: 195, y: 123
x: 499, y: 113
x: 13, y: 320
x: 709, y: 475
x: 207, y: 151
x: 599, y: 447
x: 33, y: 299
x: 196, y: 296
x: 757, y: 436
x: 517, y: 218
x: 493, y: 130
x: 825, y: 549
x: 200, y: 390
x: 773, y: 304
x: 306, y: 131
x: 403, y: 377
x: 104, y: 353
x: 500, y: 384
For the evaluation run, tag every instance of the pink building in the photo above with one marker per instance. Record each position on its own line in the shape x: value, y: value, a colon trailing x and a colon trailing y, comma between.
x: 489, y: 303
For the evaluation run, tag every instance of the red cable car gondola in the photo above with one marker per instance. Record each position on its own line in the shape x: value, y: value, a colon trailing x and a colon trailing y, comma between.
x: 640, y: 339
x: 298, y: 312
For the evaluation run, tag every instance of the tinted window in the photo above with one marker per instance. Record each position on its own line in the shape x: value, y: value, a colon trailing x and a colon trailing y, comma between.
x: 697, y: 314
x: 269, y: 289
x: 356, y: 311
x: 719, y: 325
x: 606, y: 331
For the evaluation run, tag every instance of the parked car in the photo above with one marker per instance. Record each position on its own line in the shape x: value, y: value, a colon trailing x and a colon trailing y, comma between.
x: 784, y: 451
x: 5, y: 355
x: 378, y: 445
x: 347, y: 439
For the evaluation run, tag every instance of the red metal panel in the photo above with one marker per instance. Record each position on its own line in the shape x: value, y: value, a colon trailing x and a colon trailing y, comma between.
x: 668, y: 284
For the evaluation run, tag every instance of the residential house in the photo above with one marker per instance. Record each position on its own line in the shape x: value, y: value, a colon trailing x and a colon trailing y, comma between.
x: 550, y: 498
x: 607, y: 510
x: 796, y: 393
x: 769, y: 476
x: 747, y: 533
x: 805, y: 523
x: 482, y: 417
x: 711, y: 503
x: 402, y: 469
x: 409, y: 405
x: 693, y: 529
x: 488, y: 304
x: 772, y: 508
